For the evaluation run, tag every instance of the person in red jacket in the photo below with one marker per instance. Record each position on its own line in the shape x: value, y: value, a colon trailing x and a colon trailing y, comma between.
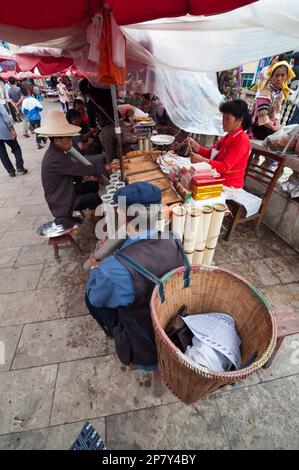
x: 230, y: 155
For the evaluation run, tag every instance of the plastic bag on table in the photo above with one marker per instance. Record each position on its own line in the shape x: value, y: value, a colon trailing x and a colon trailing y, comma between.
x: 284, y: 139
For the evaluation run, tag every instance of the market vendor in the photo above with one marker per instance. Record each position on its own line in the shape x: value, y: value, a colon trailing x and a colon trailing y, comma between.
x: 230, y: 155
x: 59, y: 170
x: 266, y: 114
x: 118, y: 296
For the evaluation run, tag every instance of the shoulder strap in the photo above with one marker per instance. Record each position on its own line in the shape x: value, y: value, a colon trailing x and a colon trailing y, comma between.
x: 150, y: 276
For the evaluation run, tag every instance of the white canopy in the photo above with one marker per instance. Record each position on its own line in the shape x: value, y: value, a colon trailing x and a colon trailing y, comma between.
x: 220, y: 42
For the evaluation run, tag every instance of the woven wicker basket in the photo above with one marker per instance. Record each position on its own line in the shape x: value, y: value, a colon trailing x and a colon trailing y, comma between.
x: 211, y: 290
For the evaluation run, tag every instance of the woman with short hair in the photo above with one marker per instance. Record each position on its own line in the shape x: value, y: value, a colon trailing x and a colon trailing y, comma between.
x: 230, y: 155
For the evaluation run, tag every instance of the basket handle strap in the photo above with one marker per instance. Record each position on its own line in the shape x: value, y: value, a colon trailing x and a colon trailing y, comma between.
x: 144, y: 272
x: 186, y: 261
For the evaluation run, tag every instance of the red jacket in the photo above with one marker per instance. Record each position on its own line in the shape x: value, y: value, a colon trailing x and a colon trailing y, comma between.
x: 232, y: 158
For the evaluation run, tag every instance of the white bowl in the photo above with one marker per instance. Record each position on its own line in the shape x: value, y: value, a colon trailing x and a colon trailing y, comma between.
x: 162, y: 139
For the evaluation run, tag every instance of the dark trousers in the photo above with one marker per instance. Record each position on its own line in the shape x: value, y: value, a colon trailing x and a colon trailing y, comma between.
x: 35, y: 125
x: 106, y: 317
x: 16, y: 150
x: 261, y: 132
x: 86, y: 196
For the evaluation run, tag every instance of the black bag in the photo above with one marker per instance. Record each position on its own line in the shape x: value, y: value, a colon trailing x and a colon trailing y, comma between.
x: 178, y: 331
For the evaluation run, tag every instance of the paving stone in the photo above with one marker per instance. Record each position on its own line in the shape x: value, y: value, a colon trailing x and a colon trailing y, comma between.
x: 58, y: 341
x: 110, y: 345
x: 8, y: 212
x: 19, y: 222
x: 62, y: 437
x: 18, y: 199
x: 286, y: 361
x: 54, y: 438
x: 9, y: 337
x: 285, y: 267
x: 287, y: 295
x: 173, y: 427
x: 36, y: 305
x: 100, y: 387
x: 253, y: 379
x: 8, y: 256
x: 262, y: 417
x: 24, y: 278
x: 255, y: 271
x: 76, y: 304
x: 27, y: 440
x: 21, y: 238
x: 62, y: 274
x: 36, y: 209
x: 26, y: 398
x: 35, y: 254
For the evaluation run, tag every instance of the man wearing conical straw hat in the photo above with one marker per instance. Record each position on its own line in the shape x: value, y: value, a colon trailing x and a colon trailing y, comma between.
x: 58, y: 171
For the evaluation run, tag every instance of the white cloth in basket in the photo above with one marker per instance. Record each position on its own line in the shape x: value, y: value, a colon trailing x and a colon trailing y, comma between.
x: 216, y: 331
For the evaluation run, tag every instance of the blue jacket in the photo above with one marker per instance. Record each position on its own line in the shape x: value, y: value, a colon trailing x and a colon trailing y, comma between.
x: 31, y: 108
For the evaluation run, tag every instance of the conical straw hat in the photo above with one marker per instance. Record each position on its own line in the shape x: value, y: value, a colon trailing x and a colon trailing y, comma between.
x: 56, y: 125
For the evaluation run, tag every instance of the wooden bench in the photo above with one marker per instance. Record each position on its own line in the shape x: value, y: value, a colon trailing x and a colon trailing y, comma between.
x: 266, y: 177
x: 287, y: 324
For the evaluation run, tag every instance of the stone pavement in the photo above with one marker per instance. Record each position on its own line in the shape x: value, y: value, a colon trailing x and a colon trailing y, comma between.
x: 60, y: 370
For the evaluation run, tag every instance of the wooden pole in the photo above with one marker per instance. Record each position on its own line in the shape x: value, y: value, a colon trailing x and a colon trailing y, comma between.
x: 117, y: 131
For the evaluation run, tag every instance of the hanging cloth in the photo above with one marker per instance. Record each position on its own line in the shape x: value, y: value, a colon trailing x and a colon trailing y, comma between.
x: 108, y: 70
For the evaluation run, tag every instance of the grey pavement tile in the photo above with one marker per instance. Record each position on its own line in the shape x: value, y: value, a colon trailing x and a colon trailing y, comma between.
x: 264, y: 416
x: 33, y: 306
x: 18, y: 199
x: 174, y: 427
x: 101, y: 386
x: 9, y: 337
x: 253, y: 379
x: 35, y: 254
x: 54, y: 438
x: 26, y: 398
x: 110, y: 345
x: 36, y: 209
x: 56, y: 341
x: 255, y: 271
x: 285, y: 267
x: 62, y: 274
x: 21, y: 238
x: 24, y: 278
x: 26, y: 440
x: 8, y: 212
x: 286, y: 361
x: 287, y: 295
x: 76, y: 304
x: 62, y: 437
x: 8, y: 256
x: 19, y: 222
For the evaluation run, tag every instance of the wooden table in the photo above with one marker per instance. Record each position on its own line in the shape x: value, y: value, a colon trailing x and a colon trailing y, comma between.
x: 144, y: 168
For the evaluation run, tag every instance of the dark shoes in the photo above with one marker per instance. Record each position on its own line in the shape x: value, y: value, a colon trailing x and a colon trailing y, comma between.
x: 12, y: 173
x: 22, y: 171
